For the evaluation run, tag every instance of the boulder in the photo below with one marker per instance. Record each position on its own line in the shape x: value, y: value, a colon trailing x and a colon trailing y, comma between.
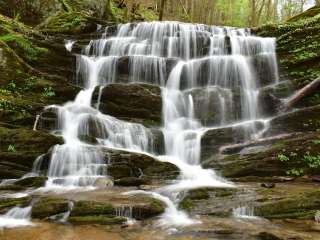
x: 215, y: 138
x: 274, y: 159
x: 122, y: 164
x: 20, y: 147
x: 46, y: 207
x: 35, y: 182
x: 7, y: 203
x: 292, y: 205
x: 300, y: 120
x: 140, y: 103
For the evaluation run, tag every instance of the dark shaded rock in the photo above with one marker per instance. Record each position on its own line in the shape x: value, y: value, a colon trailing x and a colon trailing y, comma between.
x: 125, y: 164
x: 214, y: 139
x: 133, y: 102
x: 97, y: 219
x: 267, y: 236
x: 20, y: 147
x: 46, y: 207
x: 35, y: 182
x: 130, y: 181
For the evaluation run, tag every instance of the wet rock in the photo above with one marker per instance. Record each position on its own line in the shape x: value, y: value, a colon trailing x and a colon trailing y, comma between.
x: 267, y: 163
x: 267, y: 185
x: 267, y: 236
x: 7, y: 203
x: 293, y: 206
x: 16, y: 154
x: 213, y: 201
x: 124, y: 164
x: 46, y: 207
x: 140, y: 103
x: 34, y: 182
x: 214, y: 105
x: 89, y: 208
x: 214, y: 139
x: 151, y: 208
x: 301, y: 120
x: 130, y: 181
x: 99, y: 219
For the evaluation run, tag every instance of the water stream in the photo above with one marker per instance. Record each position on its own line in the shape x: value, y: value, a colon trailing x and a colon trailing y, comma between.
x: 200, y: 69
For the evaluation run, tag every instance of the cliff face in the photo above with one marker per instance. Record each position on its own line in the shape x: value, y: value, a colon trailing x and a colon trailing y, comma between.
x: 36, y: 70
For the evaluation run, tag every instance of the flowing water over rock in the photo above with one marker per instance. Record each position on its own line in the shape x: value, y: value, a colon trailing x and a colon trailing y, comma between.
x: 209, y: 78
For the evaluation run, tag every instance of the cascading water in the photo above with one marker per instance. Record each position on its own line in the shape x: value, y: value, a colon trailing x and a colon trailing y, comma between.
x: 16, y: 217
x: 188, y: 62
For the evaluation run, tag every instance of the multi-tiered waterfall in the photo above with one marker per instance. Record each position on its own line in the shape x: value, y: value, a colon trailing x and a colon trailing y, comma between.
x: 188, y: 61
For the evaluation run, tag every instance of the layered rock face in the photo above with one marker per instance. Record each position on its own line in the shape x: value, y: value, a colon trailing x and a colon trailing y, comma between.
x: 115, y: 137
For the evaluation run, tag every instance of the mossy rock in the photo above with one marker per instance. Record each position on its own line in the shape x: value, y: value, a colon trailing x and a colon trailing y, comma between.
x: 124, y: 164
x: 97, y: 219
x: 130, y: 181
x: 69, y: 23
x: 301, y: 206
x: 22, y: 139
x: 194, y: 195
x: 150, y: 208
x: 7, y: 203
x: 140, y: 103
x: 35, y: 182
x: 46, y: 207
x: 89, y: 208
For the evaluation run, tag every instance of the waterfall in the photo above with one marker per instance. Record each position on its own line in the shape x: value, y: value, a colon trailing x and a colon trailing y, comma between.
x: 16, y: 217
x: 202, y: 71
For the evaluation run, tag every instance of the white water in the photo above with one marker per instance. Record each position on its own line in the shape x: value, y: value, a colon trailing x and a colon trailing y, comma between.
x: 180, y: 58
x: 16, y: 217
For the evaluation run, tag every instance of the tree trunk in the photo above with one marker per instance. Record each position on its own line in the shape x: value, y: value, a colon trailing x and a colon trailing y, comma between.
x: 318, y: 3
x: 162, y: 4
x: 312, y: 87
x: 253, y: 13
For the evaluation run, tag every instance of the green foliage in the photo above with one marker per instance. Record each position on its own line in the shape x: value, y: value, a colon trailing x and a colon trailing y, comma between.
x: 12, y: 148
x: 48, y: 92
x: 317, y: 141
x: 30, y: 51
x: 29, y: 83
x: 147, y: 14
x: 313, y: 161
x: 5, y: 105
x: 283, y: 158
x: 296, y: 172
x: 12, y: 87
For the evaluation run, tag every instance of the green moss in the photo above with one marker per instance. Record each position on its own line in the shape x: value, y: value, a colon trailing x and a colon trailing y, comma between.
x: 298, y: 46
x: 85, y: 208
x: 299, y: 206
x: 130, y: 181
x: 151, y: 208
x: 30, y: 51
x: 69, y: 22
x: 12, y: 202
x: 46, y: 207
x: 32, y: 182
x: 97, y: 219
